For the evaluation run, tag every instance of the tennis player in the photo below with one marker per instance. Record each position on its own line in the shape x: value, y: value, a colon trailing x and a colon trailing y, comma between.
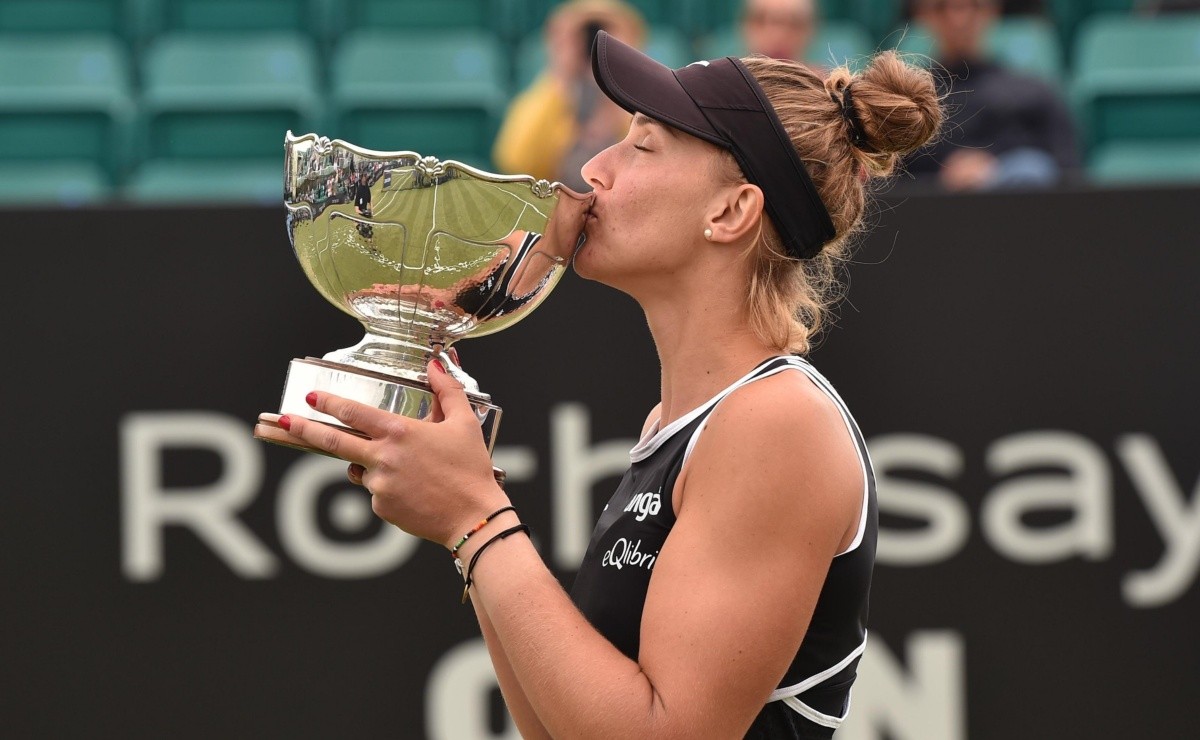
x: 724, y: 592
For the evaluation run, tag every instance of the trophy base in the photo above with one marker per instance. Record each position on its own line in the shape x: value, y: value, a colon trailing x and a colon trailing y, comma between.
x: 397, y: 395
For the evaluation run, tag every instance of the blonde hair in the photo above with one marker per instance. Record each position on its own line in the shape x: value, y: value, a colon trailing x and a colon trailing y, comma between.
x: 899, y: 110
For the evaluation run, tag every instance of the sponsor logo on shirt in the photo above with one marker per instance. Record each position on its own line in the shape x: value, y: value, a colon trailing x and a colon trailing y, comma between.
x: 623, y: 553
x: 645, y: 504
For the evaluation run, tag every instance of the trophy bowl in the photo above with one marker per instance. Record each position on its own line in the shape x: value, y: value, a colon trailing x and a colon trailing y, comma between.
x: 422, y: 252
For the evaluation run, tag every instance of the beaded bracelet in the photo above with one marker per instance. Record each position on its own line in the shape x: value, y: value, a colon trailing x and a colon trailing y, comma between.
x: 476, y: 528
x: 474, y: 558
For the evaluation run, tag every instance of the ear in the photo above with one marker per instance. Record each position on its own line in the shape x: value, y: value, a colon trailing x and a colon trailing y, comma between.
x: 735, y: 213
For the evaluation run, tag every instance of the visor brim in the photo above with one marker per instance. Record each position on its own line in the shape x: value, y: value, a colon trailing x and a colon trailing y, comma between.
x: 639, y: 84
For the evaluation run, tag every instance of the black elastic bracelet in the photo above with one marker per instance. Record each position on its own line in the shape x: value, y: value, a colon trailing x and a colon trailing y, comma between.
x: 499, y: 536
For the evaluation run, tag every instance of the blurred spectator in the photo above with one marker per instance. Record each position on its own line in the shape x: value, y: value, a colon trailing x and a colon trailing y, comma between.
x: 1155, y: 7
x: 781, y: 29
x: 1003, y: 129
x: 562, y: 120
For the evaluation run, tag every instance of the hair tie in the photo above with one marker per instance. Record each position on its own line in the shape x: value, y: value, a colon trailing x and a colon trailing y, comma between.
x: 858, y: 136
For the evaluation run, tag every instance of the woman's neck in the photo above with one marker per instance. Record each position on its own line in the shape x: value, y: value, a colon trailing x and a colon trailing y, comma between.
x: 703, y: 346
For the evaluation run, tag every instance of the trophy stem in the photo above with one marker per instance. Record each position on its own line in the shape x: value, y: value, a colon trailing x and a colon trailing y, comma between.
x: 389, y: 355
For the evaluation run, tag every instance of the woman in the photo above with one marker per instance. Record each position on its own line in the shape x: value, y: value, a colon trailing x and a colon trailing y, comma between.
x: 724, y: 593
x: 561, y: 119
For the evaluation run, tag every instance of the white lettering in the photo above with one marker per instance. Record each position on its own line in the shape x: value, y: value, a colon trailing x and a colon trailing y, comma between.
x: 459, y: 693
x: 1086, y: 490
x: 624, y: 553
x: 1177, y: 521
x: 302, y: 538
x: 208, y: 511
x: 929, y: 703
x: 645, y: 504
x: 578, y: 465
x: 948, y: 523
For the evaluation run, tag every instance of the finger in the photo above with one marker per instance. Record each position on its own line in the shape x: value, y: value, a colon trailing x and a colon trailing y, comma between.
x: 328, y: 438
x: 355, y: 473
x: 453, y: 352
x: 450, y: 394
x: 369, y: 420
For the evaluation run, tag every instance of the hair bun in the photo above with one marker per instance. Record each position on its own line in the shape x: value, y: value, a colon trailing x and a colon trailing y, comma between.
x: 896, y: 105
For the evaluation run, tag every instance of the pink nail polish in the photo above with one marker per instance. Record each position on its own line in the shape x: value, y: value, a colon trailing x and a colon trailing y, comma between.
x: 311, y: 399
x: 286, y: 423
x: 440, y: 367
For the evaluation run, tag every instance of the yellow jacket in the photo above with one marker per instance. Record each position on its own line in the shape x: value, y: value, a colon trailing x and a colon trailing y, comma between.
x: 538, y: 129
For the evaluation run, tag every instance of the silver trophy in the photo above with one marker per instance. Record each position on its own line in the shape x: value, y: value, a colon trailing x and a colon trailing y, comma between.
x: 423, y: 252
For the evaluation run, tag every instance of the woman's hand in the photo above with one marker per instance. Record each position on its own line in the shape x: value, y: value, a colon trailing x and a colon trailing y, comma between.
x: 431, y: 478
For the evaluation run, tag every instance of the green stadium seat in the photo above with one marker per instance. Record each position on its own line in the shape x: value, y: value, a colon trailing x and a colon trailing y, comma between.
x: 64, y: 16
x: 836, y: 42
x: 237, y: 15
x: 669, y: 46
x: 1146, y: 162
x: 506, y: 18
x: 197, y: 181
x: 912, y: 39
x: 1138, y: 78
x: 411, y: 14
x: 654, y: 12
x: 1028, y: 44
x: 1067, y: 15
x: 53, y: 183
x: 1022, y: 43
x: 226, y: 99
x: 437, y: 93
x: 528, y: 60
x: 65, y: 100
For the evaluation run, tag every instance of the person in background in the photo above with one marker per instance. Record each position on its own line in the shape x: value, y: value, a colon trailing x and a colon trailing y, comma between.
x: 780, y: 29
x: 1003, y: 129
x: 562, y: 120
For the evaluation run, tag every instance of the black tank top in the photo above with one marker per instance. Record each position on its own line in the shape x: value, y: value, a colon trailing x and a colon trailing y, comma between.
x: 610, y: 589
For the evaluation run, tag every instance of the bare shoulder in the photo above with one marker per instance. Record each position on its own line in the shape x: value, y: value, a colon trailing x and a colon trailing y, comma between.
x: 784, y: 442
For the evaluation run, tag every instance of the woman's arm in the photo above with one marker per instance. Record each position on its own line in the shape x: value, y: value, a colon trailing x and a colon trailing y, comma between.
x: 518, y: 704
x: 522, y: 712
x: 772, y: 489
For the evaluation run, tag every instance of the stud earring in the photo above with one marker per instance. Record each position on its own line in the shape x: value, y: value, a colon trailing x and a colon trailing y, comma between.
x: 708, y: 233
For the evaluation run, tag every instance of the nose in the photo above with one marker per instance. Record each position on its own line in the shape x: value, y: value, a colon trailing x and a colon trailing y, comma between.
x: 597, y: 172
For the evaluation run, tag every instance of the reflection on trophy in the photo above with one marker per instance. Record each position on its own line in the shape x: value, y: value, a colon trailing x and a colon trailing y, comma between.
x: 423, y: 253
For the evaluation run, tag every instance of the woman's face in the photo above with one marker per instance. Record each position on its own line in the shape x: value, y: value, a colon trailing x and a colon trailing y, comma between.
x: 652, y: 190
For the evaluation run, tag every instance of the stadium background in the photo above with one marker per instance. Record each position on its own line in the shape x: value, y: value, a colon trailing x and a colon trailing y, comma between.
x: 1023, y: 365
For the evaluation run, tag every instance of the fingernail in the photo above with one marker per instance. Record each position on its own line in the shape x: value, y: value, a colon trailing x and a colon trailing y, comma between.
x: 311, y: 398
x: 286, y: 423
x: 440, y: 367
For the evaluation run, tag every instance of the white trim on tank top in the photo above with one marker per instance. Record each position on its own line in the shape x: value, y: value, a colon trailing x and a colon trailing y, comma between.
x: 655, y: 437
x: 812, y: 715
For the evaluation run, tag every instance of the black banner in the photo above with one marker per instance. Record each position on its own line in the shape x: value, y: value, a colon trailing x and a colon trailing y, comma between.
x: 1023, y: 366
